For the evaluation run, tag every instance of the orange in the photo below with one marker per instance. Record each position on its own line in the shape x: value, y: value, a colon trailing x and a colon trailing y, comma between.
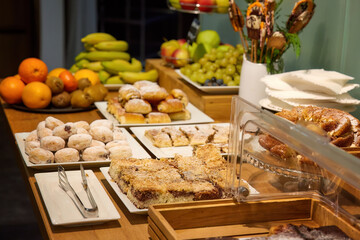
x: 70, y: 83
x: 33, y: 70
x: 89, y: 74
x: 11, y: 89
x: 56, y: 72
x: 36, y: 95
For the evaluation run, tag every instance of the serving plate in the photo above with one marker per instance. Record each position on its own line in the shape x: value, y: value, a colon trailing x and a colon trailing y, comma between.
x: 128, y: 204
x: 210, y: 89
x: 137, y: 150
x: 167, y: 152
x: 62, y: 210
x: 197, y: 116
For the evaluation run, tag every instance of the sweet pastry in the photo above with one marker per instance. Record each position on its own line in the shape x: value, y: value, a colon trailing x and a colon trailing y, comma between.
x: 195, y: 137
x: 79, y: 141
x: 153, y: 94
x: 52, y: 143
x: 178, y: 138
x: 67, y: 155
x: 41, y: 156
x: 181, y: 95
x: 41, y: 125
x: 157, y: 117
x: 82, y: 124
x: 51, y: 122
x: 43, y: 132
x: 95, y: 154
x: 102, y: 122
x: 120, y: 151
x: 128, y: 92
x: 29, y: 145
x: 101, y: 133
x: 96, y: 143
x: 145, y: 83
x: 116, y: 143
x: 158, y: 138
x: 33, y: 136
x: 221, y: 135
x: 132, y: 118
x: 137, y: 106
x: 65, y: 130
x: 80, y: 130
x: 170, y: 106
x: 118, y: 134
x: 182, y: 115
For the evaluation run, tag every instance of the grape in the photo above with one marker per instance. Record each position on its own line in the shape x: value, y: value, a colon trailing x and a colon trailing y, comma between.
x: 220, y: 54
x: 236, y: 53
x: 238, y: 68
x: 224, y: 62
x: 230, y: 69
x: 202, y: 78
x: 220, y: 82
x: 187, y: 72
x: 228, y: 54
x: 212, y: 57
x: 237, y: 79
x: 207, y: 66
x: 218, y: 74
x: 213, y: 67
x: 232, y: 60
x: 231, y: 83
x: 182, y: 70
x: 209, y: 74
x: 213, y: 51
x: 241, y: 48
x: 203, y: 60
x: 227, y: 79
x: 195, y: 66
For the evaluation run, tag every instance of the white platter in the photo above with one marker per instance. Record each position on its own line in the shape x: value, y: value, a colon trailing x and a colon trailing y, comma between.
x: 62, y: 210
x: 168, y: 152
x: 210, y: 89
x: 137, y: 150
x: 197, y: 116
x: 113, y: 87
x: 128, y: 204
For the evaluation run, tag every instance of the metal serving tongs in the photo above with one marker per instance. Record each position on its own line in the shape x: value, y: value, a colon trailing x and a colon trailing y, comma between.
x: 65, y: 185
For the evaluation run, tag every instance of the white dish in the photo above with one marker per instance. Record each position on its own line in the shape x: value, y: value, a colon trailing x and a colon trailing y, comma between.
x: 128, y: 204
x: 113, y: 87
x: 62, y: 210
x: 211, y: 89
x: 168, y: 152
x: 267, y: 104
x: 197, y: 116
x: 137, y: 150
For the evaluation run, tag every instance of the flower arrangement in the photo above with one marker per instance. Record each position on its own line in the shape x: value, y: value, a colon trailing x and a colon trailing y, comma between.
x: 263, y: 44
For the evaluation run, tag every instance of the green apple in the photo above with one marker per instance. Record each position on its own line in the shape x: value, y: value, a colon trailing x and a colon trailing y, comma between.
x: 209, y: 37
x: 199, y: 52
x: 222, y: 6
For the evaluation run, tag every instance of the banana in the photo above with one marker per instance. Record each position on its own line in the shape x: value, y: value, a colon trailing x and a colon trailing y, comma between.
x: 80, y: 56
x: 119, y: 65
x: 81, y: 64
x: 95, y: 66
x: 119, y: 45
x: 107, y: 56
x: 94, y: 38
x: 103, y: 76
x: 74, y: 68
x: 131, y: 77
x: 114, y: 80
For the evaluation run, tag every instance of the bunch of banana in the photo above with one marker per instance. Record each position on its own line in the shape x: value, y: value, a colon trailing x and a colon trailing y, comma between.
x: 107, y: 56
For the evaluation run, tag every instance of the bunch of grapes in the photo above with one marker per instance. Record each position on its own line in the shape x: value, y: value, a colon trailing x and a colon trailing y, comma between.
x: 218, y: 67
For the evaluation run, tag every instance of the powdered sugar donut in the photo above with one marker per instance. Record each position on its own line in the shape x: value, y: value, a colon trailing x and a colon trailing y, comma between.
x: 51, y: 122
x: 30, y: 145
x: 40, y: 125
x: 65, y: 131
x: 41, y: 156
x: 115, y: 143
x: 67, y: 155
x: 101, y: 133
x: 118, y: 134
x: 44, y: 132
x: 32, y: 136
x: 96, y: 143
x: 82, y: 124
x: 52, y: 143
x: 102, y: 122
x: 120, y: 151
x: 79, y: 141
x: 95, y: 154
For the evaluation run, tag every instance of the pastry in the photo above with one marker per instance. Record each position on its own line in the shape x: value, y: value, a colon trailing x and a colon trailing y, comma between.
x: 52, y: 143
x: 29, y: 145
x: 170, y: 106
x: 118, y: 134
x: 221, y: 135
x: 65, y: 131
x: 67, y: 155
x: 153, y: 94
x: 102, y: 122
x: 116, y: 143
x: 80, y: 130
x: 95, y: 154
x: 181, y: 95
x: 128, y: 92
x: 51, y: 122
x: 82, y: 124
x: 43, y: 132
x: 178, y: 138
x: 132, y: 118
x: 195, y: 137
x: 120, y: 151
x: 79, y: 141
x: 145, y: 83
x: 157, y: 117
x: 101, y: 133
x: 33, y: 136
x: 138, y: 106
x: 41, y: 156
x: 182, y: 115
x: 41, y: 125
x: 96, y: 143
x: 158, y: 138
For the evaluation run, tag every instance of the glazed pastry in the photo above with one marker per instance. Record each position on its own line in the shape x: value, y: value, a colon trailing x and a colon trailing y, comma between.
x: 128, y: 92
x: 44, y: 132
x: 41, y: 156
x: 79, y: 141
x: 182, y: 115
x: 96, y: 143
x: 118, y: 134
x: 153, y: 94
x: 32, y: 136
x: 95, y: 154
x: 67, y: 155
x: 101, y: 133
x: 137, y: 106
x: 170, y: 106
x: 30, y: 145
x: 119, y: 152
x: 80, y: 130
x: 82, y: 124
x: 51, y: 122
x: 132, y: 118
x: 181, y: 95
x: 65, y: 131
x: 52, y: 143
x: 145, y: 83
x: 157, y: 117
x: 116, y: 143
x: 102, y: 122
x: 40, y: 125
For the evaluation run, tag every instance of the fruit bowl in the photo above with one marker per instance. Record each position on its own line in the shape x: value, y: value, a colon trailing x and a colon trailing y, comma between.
x: 175, y: 62
x: 198, y: 6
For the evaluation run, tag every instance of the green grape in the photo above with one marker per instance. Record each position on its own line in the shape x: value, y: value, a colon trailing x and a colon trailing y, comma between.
x: 230, y: 69
x: 207, y: 66
x: 231, y: 83
x: 241, y: 48
x: 195, y: 66
x: 236, y: 53
x: 227, y: 79
x: 213, y: 67
x: 203, y: 60
x: 213, y: 51
x: 220, y: 54
x: 201, y: 71
x: 187, y: 72
x: 232, y: 60
x: 202, y: 78
x: 238, y: 68
x: 237, y: 79
x: 224, y: 62
x: 218, y: 74
x: 212, y: 57
x: 209, y: 74
x: 182, y: 70
x: 228, y: 54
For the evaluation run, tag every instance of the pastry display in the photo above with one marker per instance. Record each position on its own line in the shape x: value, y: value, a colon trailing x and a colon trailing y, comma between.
x: 55, y: 141
x: 147, y: 102
x: 152, y: 181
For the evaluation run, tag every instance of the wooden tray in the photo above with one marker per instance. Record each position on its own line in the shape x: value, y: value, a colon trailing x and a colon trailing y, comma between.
x: 225, y: 218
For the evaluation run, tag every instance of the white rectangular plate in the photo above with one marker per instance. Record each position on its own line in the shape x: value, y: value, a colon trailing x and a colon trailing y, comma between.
x: 210, y: 89
x: 168, y: 152
x: 137, y: 150
x: 197, y: 116
x: 128, y: 204
x: 62, y: 210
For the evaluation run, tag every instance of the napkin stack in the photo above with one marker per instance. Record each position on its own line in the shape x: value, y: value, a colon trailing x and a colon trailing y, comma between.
x: 316, y: 87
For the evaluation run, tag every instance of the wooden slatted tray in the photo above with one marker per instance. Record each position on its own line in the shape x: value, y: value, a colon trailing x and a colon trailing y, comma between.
x: 225, y: 218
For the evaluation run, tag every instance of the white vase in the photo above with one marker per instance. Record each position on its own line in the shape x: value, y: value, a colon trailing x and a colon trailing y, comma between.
x: 251, y: 88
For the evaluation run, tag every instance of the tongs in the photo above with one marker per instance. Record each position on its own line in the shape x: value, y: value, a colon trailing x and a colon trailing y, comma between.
x: 65, y: 185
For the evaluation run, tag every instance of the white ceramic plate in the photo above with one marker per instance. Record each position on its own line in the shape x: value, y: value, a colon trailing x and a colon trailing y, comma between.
x: 168, y: 152
x: 211, y: 89
x: 267, y: 104
x: 128, y: 204
x: 137, y: 150
x: 113, y: 87
x: 197, y: 116
x: 62, y: 210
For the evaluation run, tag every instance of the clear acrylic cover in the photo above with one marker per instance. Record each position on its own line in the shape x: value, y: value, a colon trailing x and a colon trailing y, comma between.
x: 280, y: 159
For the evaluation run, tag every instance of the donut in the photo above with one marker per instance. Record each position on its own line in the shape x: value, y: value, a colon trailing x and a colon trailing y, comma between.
x: 79, y: 141
x: 65, y: 130
x: 52, y: 143
x: 82, y: 124
x: 67, y: 155
x: 32, y: 136
x: 120, y: 151
x: 30, y: 145
x: 44, y: 132
x: 95, y: 154
x: 101, y: 133
x: 118, y: 134
x: 96, y: 143
x: 40, y: 125
x: 102, y: 122
x: 41, y: 156
x: 81, y: 130
x: 51, y: 122
x: 115, y: 143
